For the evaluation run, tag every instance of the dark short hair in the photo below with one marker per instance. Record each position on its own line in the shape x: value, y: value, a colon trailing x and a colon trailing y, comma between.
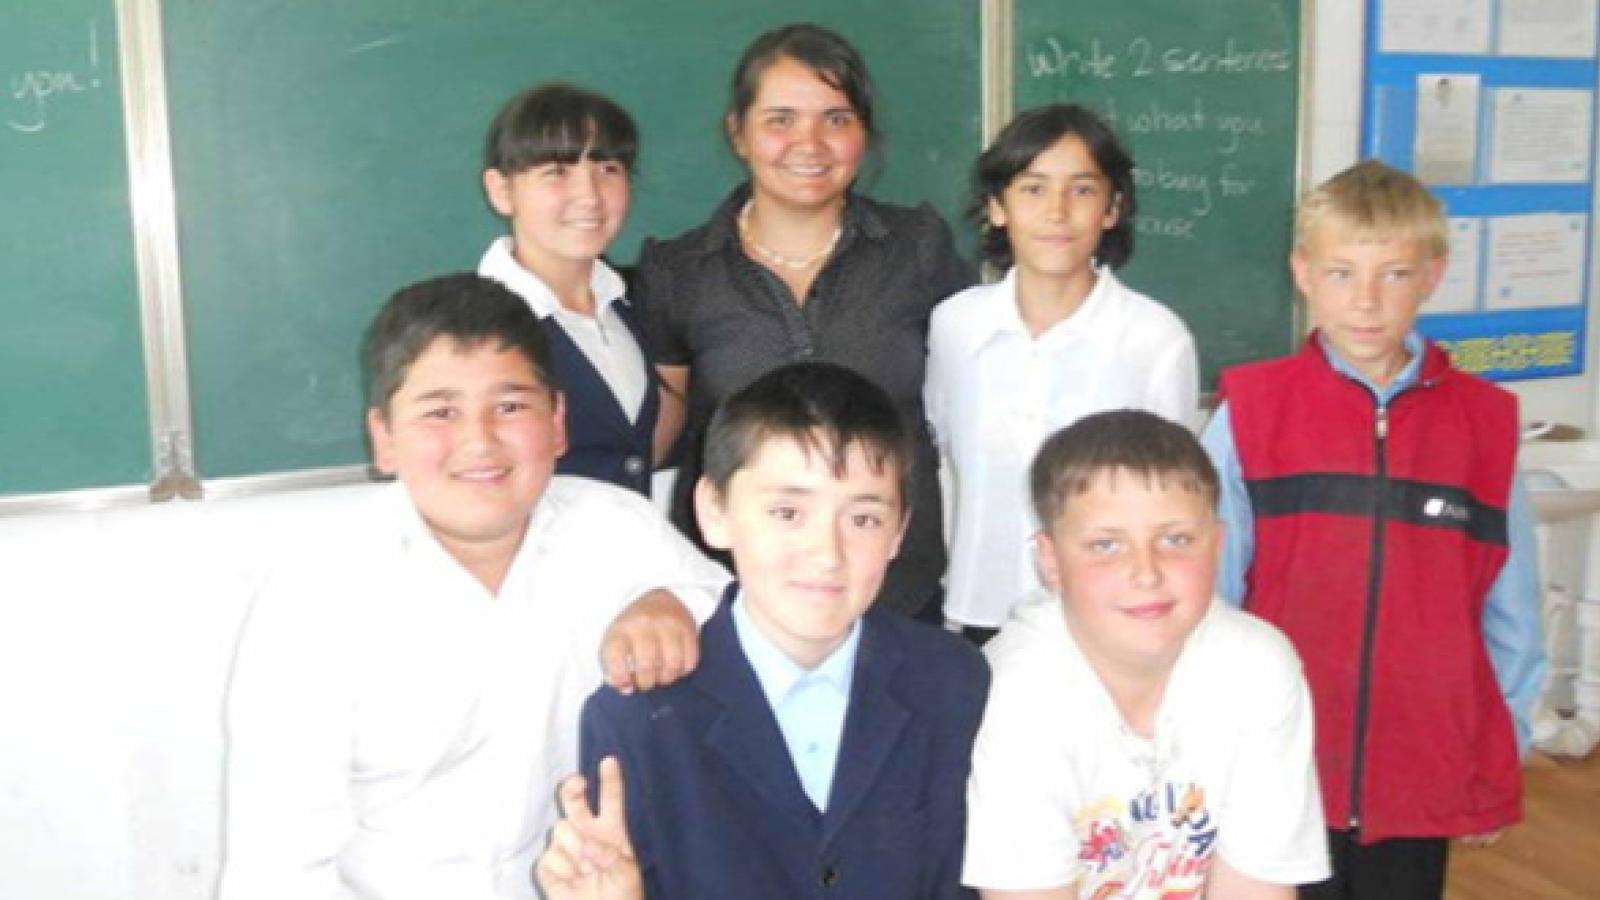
x: 824, y: 407
x: 1139, y: 442
x: 819, y: 49
x: 1031, y: 133
x: 468, y: 310
x: 561, y: 123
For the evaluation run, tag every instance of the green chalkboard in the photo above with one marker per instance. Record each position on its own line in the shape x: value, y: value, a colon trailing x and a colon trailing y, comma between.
x: 1205, y: 95
x: 72, y: 395
x: 328, y: 153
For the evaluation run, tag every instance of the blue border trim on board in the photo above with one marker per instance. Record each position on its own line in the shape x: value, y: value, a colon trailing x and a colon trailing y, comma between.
x: 1504, y: 345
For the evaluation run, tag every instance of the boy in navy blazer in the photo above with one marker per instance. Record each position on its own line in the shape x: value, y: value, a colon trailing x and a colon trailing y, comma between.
x: 821, y: 748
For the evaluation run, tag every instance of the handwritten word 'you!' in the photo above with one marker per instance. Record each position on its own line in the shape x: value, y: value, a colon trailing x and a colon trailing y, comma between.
x: 34, y: 91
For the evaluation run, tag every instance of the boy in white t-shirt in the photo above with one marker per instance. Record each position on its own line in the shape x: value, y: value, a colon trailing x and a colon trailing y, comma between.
x: 1142, y: 740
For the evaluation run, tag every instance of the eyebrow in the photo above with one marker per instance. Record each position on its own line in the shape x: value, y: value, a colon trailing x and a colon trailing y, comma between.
x: 1169, y: 523
x: 872, y: 498
x: 798, y: 491
x: 843, y: 108
x: 1084, y: 175
x: 451, y: 393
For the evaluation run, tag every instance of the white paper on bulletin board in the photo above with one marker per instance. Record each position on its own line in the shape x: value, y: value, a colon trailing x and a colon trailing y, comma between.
x: 1458, y: 290
x: 1552, y: 28
x: 1535, y: 260
x: 1446, y: 149
x: 1540, y: 135
x: 1434, y: 26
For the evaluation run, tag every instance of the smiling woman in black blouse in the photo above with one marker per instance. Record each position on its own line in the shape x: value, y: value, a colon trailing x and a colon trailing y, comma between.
x: 794, y: 265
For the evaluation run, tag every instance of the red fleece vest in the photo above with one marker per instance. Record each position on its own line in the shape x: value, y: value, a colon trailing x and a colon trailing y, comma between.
x: 1377, y: 538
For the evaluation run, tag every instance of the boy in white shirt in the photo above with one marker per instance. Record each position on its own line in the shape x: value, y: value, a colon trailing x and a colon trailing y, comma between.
x: 405, y: 698
x: 1142, y: 740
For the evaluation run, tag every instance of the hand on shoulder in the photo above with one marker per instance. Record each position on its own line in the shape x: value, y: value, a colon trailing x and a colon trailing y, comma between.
x: 651, y: 644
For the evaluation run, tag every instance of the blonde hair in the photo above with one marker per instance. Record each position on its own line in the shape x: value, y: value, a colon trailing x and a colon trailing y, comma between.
x: 1372, y: 201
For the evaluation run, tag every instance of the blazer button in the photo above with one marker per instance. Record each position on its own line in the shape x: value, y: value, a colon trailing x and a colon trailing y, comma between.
x: 633, y: 465
x: 829, y: 877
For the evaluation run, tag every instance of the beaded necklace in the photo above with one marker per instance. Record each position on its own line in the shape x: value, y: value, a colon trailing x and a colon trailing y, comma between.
x: 776, y: 258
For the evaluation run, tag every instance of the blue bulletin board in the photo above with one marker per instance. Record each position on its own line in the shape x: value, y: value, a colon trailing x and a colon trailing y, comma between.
x: 1492, y: 103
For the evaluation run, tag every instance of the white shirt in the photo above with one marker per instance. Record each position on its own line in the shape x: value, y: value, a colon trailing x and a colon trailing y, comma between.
x: 1062, y: 791
x: 603, y: 337
x: 810, y: 705
x: 395, y: 731
x: 994, y: 393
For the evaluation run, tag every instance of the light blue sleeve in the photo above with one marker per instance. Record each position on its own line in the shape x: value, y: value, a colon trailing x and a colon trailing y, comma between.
x: 1513, y: 624
x: 1233, y: 508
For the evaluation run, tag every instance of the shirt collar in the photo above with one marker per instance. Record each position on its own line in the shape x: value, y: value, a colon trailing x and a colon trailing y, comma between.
x: 415, y: 537
x: 1410, y: 373
x: 1173, y: 694
x: 500, y: 264
x: 778, y: 674
x: 722, y: 232
x: 1004, y: 318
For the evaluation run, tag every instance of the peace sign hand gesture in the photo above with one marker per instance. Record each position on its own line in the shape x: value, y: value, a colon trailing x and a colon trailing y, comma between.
x: 590, y: 856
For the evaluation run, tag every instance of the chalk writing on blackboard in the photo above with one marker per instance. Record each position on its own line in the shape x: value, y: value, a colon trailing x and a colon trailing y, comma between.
x: 35, y: 91
x: 1190, y: 142
x: 1205, y: 96
x: 1143, y: 58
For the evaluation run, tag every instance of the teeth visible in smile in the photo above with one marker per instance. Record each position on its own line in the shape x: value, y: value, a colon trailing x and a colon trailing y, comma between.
x: 808, y: 171
x: 484, y: 474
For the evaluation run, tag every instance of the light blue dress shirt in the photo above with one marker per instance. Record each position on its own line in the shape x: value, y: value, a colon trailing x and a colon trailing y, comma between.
x: 809, y: 704
x: 1512, y: 615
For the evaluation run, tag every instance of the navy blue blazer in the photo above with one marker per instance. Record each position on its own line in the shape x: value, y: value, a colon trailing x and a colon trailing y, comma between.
x: 715, y: 807
x: 602, y: 441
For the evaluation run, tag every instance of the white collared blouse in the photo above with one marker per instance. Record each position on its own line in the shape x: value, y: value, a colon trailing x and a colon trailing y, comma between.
x: 994, y: 393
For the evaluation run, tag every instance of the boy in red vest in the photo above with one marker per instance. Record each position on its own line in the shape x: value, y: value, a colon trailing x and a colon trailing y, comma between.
x: 1373, y: 514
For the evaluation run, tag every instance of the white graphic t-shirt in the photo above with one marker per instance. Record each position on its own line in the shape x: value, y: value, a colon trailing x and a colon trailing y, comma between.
x: 1157, y: 843
x: 1063, y: 793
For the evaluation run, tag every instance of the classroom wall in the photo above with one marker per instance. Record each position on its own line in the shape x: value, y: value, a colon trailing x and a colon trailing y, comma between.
x: 116, y: 632
x: 1334, y: 141
x: 117, y: 627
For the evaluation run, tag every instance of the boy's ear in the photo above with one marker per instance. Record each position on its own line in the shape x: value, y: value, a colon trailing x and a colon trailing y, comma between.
x: 497, y: 188
x: 383, y: 457
x: 1300, y: 265
x: 900, y: 537
x: 559, y: 406
x: 1435, y: 273
x: 1044, y: 555
x: 711, y: 514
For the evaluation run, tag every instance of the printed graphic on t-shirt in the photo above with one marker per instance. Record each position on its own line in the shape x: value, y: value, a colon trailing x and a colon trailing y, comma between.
x: 1156, y: 846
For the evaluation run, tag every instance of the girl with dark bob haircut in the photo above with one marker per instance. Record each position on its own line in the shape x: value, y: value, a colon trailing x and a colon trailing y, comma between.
x: 1015, y: 148
x: 559, y: 122
x: 1057, y: 338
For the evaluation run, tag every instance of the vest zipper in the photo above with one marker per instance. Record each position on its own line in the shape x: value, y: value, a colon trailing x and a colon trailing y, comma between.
x: 1370, y: 625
